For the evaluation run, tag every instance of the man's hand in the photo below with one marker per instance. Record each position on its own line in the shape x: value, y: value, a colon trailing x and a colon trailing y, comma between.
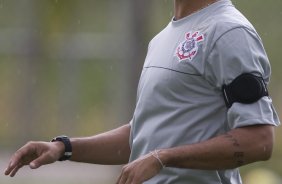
x: 140, y: 170
x: 35, y: 154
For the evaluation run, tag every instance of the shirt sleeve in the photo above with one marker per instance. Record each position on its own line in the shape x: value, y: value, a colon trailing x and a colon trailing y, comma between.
x: 238, y: 51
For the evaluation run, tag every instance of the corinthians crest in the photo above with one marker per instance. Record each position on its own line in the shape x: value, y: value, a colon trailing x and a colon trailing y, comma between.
x: 188, y: 49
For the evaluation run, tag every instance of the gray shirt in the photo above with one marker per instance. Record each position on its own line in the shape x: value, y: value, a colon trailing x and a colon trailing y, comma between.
x: 179, y: 98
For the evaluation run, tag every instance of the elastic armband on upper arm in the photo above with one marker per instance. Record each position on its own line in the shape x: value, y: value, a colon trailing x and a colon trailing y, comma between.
x: 246, y: 88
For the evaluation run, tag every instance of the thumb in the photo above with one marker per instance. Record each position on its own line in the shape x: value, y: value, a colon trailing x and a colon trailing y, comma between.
x: 34, y: 165
x: 38, y: 162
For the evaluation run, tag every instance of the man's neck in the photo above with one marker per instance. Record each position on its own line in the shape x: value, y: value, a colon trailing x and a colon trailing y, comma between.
x: 183, y: 8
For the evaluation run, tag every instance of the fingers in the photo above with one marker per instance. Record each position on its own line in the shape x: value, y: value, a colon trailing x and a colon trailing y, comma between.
x: 139, y: 170
x: 16, y: 162
x: 34, y: 154
x: 130, y: 175
x: 15, y: 170
x: 14, y: 165
x: 124, y: 178
x: 20, y: 158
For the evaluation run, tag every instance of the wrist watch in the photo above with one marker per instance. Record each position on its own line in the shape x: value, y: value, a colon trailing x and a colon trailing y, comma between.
x: 68, y: 148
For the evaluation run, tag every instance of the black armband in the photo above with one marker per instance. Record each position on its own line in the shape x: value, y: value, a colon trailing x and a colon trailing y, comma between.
x: 246, y: 88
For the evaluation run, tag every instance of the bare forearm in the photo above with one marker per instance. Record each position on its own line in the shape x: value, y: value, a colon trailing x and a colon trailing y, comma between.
x: 110, y: 148
x: 237, y: 147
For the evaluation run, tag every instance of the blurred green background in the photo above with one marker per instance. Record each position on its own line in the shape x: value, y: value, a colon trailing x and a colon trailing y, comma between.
x: 72, y: 67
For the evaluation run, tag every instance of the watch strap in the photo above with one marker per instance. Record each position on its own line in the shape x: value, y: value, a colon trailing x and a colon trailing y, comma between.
x: 68, y: 148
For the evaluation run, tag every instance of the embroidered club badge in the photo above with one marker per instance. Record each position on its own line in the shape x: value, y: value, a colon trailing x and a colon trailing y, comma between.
x: 188, y: 49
